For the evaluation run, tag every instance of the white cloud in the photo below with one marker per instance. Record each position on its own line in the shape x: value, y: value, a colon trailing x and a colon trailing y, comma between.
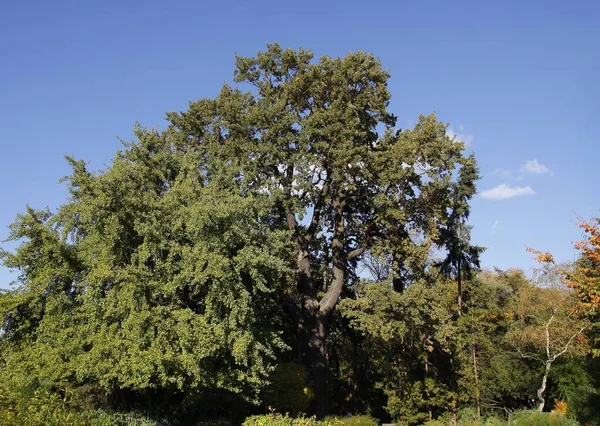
x: 497, y: 226
x: 460, y: 135
x: 534, y: 167
x: 503, y: 192
x: 505, y: 173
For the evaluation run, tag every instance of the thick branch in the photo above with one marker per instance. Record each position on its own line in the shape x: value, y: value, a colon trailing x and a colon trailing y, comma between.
x: 316, y: 216
x: 370, y: 233
x: 328, y: 302
x: 356, y: 252
x: 291, y: 220
x: 289, y: 214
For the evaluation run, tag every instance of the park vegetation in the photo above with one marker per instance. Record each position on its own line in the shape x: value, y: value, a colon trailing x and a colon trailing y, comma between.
x: 284, y: 254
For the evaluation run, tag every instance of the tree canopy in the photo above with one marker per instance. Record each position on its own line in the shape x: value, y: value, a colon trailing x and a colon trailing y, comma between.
x: 147, y: 278
x: 218, y: 266
x: 317, y: 140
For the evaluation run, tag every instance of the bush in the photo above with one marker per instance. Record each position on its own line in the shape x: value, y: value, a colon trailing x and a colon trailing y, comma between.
x: 535, y: 418
x: 466, y: 417
x: 45, y: 408
x: 350, y: 421
x: 584, y: 405
x: 436, y: 422
x: 274, y: 419
x: 40, y: 408
x: 105, y: 418
x: 494, y: 421
x: 289, y: 391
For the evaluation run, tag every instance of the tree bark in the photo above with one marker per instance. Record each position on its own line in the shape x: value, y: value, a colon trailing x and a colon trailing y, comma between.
x: 317, y: 313
x: 542, y: 389
x: 476, y: 374
x: 459, y: 285
x: 425, y: 379
x: 397, y: 282
x: 316, y: 356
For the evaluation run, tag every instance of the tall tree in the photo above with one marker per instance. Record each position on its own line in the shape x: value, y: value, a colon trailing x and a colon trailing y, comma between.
x: 411, y: 336
x: 462, y: 257
x: 317, y: 139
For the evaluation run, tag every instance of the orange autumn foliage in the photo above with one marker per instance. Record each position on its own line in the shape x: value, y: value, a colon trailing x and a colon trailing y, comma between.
x: 585, y: 279
x: 541, y: 257
x: 560, y: 407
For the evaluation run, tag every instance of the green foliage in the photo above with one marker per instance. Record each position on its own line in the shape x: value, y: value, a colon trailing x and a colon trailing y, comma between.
x: 350, y: 421
x: 289, y: 391
x: 584, y: 405
x: 146, y: 279
x: 494, y: 421
x: 45, y: 408
x: 280, y: 420
x: 104, y: 418
x: 569, y: 375
x: 535, y: 418
x: 466, y: 417
x: 175, y: 279
x: 275, y: 419
x: 40, y: 408
x: 504, y: 378
x: 316, y: 138
x: 429, y: 360
x: 418, y: 324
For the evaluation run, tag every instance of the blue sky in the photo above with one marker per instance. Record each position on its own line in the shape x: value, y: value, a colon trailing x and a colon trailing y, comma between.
x: 517, y: 80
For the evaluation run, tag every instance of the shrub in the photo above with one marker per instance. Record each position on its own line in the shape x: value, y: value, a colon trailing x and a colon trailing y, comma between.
x: 535, y: 418
x: 466, y: 417
x: 40, y: 408
x: 45, y: 408
x: 105, y: 418
x: 350, y: 421
x: 494, y: 421
x: 289, y: 391
x: 584, y: 405
x: 436, y: 422
x: 275, y: 419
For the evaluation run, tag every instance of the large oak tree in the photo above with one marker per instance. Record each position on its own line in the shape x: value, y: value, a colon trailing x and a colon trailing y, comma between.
x: 317, y: 139
x: 167, y: 269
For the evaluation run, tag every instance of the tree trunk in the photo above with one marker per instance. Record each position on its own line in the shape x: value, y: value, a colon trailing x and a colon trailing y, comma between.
x: 398, y: 285
x: 316, y: 357
x: 477, y: 396
x: 542, y: 389
x: 424, y: 380
x: 397, y: 282
x: 459, y: 283
x: 317, y: 313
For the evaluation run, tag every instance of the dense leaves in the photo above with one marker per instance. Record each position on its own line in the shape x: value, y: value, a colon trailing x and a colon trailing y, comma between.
x: 585, y: 278
x: 221, y: 266
x: 147, y: 278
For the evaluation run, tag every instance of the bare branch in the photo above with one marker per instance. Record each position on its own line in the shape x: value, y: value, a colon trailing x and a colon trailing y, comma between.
x: 548, y: 336
x: 566, y: 348
x: 529, y: 356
